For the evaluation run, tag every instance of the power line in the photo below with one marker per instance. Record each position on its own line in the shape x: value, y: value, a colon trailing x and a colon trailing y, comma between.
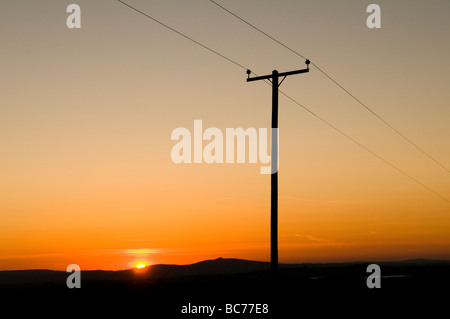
x: 337, y: 83
x: 383, y: 120
x: 366, y: 148
x: 183, y: 35
x: 259, y: 30
x: 292, y: 99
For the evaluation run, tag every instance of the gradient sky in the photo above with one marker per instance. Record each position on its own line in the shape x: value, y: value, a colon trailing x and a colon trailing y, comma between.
x: 86, y: 117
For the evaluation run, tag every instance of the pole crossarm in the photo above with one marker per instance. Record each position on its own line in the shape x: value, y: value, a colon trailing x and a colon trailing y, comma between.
x: 293, y: 72
x: 270, y: 76
x: 257, y: 78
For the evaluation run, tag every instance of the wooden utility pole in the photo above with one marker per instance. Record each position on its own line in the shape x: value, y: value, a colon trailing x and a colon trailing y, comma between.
x: 274, y: 160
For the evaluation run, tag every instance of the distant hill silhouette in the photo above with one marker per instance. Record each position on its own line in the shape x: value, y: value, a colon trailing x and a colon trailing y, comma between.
x: 219, y: 266
x: 159, y: 291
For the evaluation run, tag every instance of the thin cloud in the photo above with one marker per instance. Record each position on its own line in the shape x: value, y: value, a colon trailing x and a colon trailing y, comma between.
x: 328, y: 201
x: 313, y: 240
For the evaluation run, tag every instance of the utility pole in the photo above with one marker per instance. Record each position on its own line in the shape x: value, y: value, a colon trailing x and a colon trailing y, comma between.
x: 274, y: 160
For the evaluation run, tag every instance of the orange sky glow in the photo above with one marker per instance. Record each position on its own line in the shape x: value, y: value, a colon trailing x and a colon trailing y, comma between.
x: 86, y: 116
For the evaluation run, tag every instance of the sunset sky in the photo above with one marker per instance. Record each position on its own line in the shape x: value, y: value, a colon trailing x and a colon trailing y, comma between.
x: 86, y: 116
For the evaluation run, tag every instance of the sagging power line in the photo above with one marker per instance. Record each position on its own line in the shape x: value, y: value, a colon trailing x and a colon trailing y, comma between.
x: 183, y: 35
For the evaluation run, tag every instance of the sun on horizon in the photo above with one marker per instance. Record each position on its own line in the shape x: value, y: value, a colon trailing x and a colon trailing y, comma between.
x: 141, y: 265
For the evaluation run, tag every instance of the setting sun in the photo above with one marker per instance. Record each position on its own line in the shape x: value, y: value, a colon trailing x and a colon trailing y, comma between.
x: 140, y: 266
